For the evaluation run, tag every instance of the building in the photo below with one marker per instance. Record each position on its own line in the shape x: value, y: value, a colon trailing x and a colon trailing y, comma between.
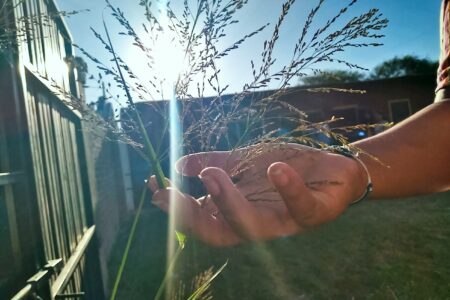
x: 391, y: 100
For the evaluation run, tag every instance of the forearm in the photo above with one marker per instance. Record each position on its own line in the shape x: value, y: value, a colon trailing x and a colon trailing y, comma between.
x: 414, y: 155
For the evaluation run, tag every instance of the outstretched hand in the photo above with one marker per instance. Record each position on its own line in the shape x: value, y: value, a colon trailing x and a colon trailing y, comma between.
x: 261, y: 192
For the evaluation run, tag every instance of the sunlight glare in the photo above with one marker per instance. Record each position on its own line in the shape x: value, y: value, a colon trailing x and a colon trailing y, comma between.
x: 168, y: 59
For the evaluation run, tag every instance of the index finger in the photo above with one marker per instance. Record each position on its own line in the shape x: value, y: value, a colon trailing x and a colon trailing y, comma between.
x: 190, y: 216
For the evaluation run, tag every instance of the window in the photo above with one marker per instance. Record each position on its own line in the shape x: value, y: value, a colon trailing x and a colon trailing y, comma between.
x: 399, y: 110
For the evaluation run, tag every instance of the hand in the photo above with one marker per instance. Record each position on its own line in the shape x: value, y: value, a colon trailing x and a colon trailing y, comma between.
x: 278, y: 190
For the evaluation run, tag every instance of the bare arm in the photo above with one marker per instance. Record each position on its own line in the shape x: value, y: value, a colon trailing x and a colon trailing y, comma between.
x: 415, y: 154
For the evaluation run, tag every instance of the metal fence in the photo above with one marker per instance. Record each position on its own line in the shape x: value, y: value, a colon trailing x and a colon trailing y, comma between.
x: 65, y: 253
x: 47, y: 232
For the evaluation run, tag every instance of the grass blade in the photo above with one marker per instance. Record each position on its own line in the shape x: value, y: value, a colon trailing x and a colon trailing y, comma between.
x: 204, y: 287
x: 151, y: 150
x: 128, y: 246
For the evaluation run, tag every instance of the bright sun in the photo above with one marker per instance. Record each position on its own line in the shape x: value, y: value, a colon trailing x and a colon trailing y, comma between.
x: 169, y: 61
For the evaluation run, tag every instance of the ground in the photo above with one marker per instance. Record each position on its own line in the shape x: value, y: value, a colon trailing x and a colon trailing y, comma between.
x: 390, y: 249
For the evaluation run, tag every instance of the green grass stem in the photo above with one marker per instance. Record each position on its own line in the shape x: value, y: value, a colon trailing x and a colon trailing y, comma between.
x: 151, y: 150
x: 161, y: 288
x: 128, y: 245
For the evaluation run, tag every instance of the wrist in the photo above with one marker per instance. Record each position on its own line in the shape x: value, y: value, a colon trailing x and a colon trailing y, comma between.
x: 361, y: 176
x: 364, y: 182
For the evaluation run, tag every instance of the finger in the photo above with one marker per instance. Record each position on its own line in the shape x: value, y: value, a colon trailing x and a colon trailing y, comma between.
x: 152, y: 183
x: 193, y: 164
x: 208, y: 204
x: 234, y: 207
x: 191, y: 218
x: 304, y: 206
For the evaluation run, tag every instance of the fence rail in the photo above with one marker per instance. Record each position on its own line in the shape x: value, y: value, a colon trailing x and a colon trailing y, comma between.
x: 72, y: 264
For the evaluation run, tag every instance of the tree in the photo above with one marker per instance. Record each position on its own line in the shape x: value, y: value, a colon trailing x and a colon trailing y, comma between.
x: 333, y: 76
x: 404, y: 66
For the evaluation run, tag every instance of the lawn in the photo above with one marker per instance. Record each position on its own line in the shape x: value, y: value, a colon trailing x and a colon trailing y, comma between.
x: 378, y: 250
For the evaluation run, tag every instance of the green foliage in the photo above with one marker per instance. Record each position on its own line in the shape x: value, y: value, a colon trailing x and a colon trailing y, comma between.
x: 333, y: 76
x: 396, y: 67
x: 203, y: 288
x: 404, y: 66
x: 181, y: 238
x: 131, y: 235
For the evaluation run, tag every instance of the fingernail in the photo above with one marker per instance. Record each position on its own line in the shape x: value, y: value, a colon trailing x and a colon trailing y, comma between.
x: 279, y: 176
x: 211, y: 185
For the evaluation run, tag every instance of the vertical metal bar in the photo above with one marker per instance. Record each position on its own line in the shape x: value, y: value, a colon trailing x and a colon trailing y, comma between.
x: 66, y: 165
x: 76, y: 196
x: 52, y: 178
x: 41, y: 191
x: 83, y: 177
x: 29, y: 53
x: 82, y: 214
x: 13, y: 228
x: 63, y: 75
x: 73, y: 166
x: 33, y: 42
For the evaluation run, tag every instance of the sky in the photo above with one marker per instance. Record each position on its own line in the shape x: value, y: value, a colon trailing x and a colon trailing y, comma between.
x: 413, y: 29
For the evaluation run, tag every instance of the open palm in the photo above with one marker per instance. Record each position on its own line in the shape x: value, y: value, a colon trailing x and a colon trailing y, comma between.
x: 261, y: 192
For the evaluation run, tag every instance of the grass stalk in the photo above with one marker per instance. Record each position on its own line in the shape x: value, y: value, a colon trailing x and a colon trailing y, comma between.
x: 128, y: 245
x: 154, y: 161
x: 205, y: 286
x: 161, y: 288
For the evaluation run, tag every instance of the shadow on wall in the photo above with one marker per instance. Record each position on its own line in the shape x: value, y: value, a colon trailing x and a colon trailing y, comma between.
x: 107, y: 190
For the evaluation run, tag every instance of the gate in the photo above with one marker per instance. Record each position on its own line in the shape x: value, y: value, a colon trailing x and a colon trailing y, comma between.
x: 50, y: 163
x: 47, y: 232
